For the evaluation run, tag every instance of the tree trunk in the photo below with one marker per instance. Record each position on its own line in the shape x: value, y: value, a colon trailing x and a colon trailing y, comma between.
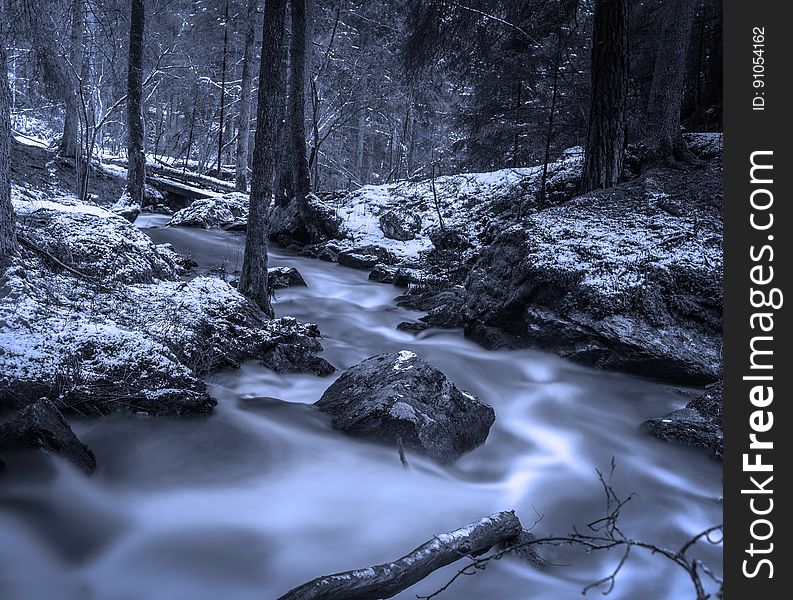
x: 244, y: 116
x: 284, y: 188
x: 136, y: 160
x: 360, y: 141
x: 221, y: 128
x: 663, y: 138
x: 253, y: 279
x: 297, y: 107
x: 607, y: 116
x: 8, y: 240
x: 387, y: 580
x: 69, y: 146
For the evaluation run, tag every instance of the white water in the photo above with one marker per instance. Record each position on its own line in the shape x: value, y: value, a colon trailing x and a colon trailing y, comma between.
x: 263, y: 495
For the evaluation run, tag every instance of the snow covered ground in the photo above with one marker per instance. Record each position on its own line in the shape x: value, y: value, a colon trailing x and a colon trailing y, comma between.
x: 99, y: 317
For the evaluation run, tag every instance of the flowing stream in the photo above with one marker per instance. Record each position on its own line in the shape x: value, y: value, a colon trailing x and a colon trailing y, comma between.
x: 264, y: 495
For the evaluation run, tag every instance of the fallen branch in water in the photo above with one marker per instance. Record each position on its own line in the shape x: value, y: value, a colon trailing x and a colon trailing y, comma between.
x: 388, y: 579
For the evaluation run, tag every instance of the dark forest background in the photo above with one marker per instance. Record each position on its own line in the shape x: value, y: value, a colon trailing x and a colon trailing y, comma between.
x: 394, y: 89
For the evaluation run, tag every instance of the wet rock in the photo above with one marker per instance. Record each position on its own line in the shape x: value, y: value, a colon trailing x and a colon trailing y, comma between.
x: 284, y: 277
x: 399, y: 396
x: 357, y: 260
x: 41, y: 426
x: 291, y: 347
x: 444, y: 307
x: 407, y: 277
x: 412, y: 326
x: 699, y: 424
x: 227, y: 210
x: 400, y: 225
x: 383, y: 273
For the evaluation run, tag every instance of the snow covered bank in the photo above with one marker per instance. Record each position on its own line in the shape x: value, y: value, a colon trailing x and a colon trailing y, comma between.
x: 97, y: 317
x: 627, y: 278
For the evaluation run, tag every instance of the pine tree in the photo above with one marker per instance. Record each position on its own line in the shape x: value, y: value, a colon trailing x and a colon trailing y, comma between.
x: 663, y: 138
x: 246, y: 83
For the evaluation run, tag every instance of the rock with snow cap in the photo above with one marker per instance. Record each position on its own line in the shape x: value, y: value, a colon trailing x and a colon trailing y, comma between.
x: 398, y: 397
x: 218, y: 211
x: 400, y: 225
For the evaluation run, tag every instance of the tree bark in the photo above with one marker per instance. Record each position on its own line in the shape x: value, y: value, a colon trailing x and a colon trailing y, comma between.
x: 69, y: 146
x: 388, y: 579
x: 136, y: 163
x: 222, y: 127
x: 244, y: 116
x: 297, y: 107
x: 663, y: 138
x: 8, y: 240
x: 253, y: 279
x: 607, y: 116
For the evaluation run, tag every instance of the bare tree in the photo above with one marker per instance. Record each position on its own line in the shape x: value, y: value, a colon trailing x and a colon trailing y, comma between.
x: 253, y: 279
x: 69, y: 146
x: 8, y: 240
x: 607, y: 116
x: 136, y: 164
x: 297, y: 105
x: 246, y: 83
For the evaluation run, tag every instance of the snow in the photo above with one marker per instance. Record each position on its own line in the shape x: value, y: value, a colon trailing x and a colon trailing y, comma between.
x: 129, y: 326
x: 404, y: 356
x: 465, y: 203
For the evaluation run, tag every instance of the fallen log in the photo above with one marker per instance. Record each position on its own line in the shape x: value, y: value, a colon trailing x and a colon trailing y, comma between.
x: 388, y: 579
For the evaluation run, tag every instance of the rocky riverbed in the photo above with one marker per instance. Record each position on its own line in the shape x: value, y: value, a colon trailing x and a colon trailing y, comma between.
x: 626, y: 279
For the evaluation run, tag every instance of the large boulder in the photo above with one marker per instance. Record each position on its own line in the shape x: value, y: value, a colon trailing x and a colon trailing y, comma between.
x: 628, y: 278
x: 94, y: 241
x: 698, y: 424
x: 128, y: 334
x: 398, y: 396
x: 218, y: 211
x: 400, y: 224
x: 41, y: 426
x: 125, y: 207
x: 284, y: 277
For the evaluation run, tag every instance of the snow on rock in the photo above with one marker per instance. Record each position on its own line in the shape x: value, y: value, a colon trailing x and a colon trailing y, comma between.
x: 627, y: 278
x: 465, y: 202
x: 218, y: 211
x: 393, y: 398
x: 126, y: 208
x: 92, y: 240
x: 118, y: 328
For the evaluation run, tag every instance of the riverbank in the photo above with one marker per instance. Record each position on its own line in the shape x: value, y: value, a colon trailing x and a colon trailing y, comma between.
x: 627, y: 279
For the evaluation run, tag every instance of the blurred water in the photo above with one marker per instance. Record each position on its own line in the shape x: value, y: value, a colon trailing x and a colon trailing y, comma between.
x: 263, y: 495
